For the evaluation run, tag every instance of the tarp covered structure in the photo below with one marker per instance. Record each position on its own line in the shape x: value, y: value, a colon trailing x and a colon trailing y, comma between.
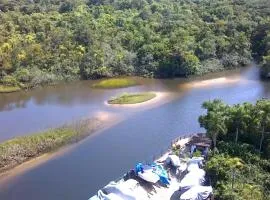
x: 152, y: 173
x: 128, y: 190
x: 197, y: 193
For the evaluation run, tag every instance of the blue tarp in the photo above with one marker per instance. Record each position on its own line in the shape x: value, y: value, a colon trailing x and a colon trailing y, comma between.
x: 161, y: 172
x: 157, y: 169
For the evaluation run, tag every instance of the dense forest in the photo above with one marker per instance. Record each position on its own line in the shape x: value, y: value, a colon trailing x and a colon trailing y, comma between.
x: 44, y: 41
x: 239, y: 166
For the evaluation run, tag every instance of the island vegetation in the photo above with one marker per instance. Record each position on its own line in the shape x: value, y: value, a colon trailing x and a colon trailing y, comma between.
x: 43, y: 42
x: 132, y: 98
x: 239, y: 165
x: 21, y: 149
x: 9, y: 89
x: 115, y: 83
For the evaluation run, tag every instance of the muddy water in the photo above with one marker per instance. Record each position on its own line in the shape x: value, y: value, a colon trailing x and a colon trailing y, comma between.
x: 142, y: 132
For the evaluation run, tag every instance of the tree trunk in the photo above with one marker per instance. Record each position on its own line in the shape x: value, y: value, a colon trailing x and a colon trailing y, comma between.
x: 262, y: 137
x: 214, y: 138
x: 236, y: 135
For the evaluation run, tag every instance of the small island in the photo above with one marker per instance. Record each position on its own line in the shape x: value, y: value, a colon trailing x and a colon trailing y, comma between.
x: 18, y: 150
x: 132, y: 98
x: 115, y: 83
x: 9, y: 89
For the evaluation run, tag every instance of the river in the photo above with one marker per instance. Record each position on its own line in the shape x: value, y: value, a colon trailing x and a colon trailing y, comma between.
x: 140, y: 132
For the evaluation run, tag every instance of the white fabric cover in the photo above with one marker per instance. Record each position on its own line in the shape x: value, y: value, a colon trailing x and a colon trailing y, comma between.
x: 193, y: 178
x: 174, y: 160
x: 128, y: 190
x: 119, y: 191
x: 193, y: 163
x: 197, y: 193
x: 148, y: 174
x: 181, y: 168
x: 94, y: 198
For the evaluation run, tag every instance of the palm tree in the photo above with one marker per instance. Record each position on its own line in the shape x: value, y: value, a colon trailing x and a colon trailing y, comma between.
x: 263, y: 109
x: 214, y: 120
x: 238, y: 116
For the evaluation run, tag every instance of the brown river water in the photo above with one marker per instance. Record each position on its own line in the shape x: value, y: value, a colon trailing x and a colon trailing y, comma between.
x: 140, y: 132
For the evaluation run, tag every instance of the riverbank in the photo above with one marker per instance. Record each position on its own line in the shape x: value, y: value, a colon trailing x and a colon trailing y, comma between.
x: 22, y: 149
x: 120, y: 82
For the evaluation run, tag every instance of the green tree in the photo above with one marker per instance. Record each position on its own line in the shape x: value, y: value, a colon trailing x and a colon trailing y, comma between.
x: 263, y: 108
x: 215, y: 120
x: 238, y: 116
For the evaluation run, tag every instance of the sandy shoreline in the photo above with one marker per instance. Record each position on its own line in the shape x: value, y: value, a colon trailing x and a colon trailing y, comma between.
x: 154, y: 101
x: 212, y: 82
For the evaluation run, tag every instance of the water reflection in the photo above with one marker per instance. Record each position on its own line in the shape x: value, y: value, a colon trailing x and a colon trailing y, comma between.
x: 52, y: 106
x: 79, y: 173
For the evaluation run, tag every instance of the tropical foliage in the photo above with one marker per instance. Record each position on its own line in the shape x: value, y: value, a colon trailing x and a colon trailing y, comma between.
x: 42, y: 41
x: 240, y: 168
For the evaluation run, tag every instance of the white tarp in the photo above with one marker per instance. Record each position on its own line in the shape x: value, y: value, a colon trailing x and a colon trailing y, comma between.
x: 182, y: 168
x: 173, y: 160
x: 193, y: 178
x: 193, y: 163
x: 197, y: 193
x: 148, y: 174
x: 128, y: 190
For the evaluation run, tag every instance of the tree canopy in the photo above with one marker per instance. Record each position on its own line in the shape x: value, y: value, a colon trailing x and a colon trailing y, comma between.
x: 46, y: 41
x: 240, y: 168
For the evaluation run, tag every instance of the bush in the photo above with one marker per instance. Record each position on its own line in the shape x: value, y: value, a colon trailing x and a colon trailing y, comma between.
x: 22, y: 75
x: 39, y: 77
x: 210, y: 65
x: 197, y: 154
x: 9, y: 81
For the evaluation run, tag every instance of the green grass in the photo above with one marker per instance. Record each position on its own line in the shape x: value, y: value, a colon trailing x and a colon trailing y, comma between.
x: 9, y: 89
x: 132, y: 98
x: 18, y: 150
x: 115, y: 83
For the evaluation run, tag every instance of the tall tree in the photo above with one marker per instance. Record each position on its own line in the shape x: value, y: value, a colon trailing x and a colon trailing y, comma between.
x: 238, y: 116
x: 215, y: 120
x: 263, y: 108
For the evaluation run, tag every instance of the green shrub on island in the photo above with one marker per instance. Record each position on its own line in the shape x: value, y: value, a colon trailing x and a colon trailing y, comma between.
x: 115, y: 83
x: 132, y: 98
